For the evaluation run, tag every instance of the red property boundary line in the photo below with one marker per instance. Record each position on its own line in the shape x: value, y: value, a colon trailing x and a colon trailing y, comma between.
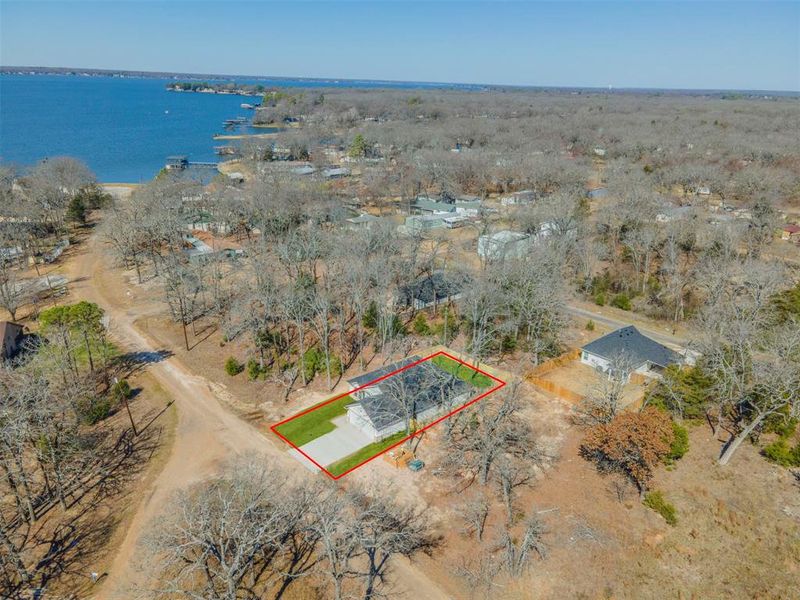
x: 274, y: 427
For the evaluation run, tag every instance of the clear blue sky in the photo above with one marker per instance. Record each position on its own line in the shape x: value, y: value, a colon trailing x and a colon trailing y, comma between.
x: 721, y: 45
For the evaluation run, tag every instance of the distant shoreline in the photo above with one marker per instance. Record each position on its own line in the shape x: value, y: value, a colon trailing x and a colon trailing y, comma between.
x: 378, y: 83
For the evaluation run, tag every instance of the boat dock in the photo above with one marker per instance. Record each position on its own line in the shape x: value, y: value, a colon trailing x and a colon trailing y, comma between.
x: 181, y: 162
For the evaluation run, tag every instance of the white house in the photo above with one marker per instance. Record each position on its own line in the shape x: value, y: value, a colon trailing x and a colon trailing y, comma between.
x: 503, y: 244
x: 628, y: 350
x: 380, y: 410
x: 518, y: 198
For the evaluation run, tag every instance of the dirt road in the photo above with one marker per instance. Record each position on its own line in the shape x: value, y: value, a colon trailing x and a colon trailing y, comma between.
x: 613, y: 319
x: 207, y: 434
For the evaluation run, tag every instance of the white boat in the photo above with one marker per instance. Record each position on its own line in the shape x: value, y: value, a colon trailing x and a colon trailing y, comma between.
x: 245, y: 105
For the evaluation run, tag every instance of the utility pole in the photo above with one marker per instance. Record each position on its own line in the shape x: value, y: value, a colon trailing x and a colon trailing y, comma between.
x: 128, y: 408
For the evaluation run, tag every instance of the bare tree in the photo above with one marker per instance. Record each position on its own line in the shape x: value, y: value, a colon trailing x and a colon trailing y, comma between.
x: 518, y: 551
x: 475, y: 513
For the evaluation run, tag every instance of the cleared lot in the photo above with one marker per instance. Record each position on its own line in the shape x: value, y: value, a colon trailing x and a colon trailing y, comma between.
x: 328, y: 438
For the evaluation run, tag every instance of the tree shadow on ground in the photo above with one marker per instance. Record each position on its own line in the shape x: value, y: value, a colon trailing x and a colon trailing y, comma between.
x: 67, y: 545
x: 131, y: 363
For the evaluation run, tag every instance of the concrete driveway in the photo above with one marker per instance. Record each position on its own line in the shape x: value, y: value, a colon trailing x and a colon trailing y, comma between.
x: 342, y: 441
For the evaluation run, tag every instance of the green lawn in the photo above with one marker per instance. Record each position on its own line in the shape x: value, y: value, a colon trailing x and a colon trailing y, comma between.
x: 315, y: 423
x: 462, y: 371
x: 367, y: 452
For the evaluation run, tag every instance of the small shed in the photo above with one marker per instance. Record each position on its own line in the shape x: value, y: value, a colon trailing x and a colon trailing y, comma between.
x: 790, y: 232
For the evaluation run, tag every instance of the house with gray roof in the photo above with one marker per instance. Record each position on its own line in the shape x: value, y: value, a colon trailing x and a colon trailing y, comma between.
x: 417, y: 224
x: 424, y: 205
x: 629, y: 351
x: 362, y: 221
x: 419, y: 393
x: 430, y: 290
x: 359, y: 380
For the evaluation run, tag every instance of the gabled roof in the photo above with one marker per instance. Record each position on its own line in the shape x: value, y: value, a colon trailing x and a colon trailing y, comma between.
x: 378, y: 373
x: 505, y: 236
x: 424, y: 288
x: 636, y: 347
x: 418, y: 384
x: 432, y: 205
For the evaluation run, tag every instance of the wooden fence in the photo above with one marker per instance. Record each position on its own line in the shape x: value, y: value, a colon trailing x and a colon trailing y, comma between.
x: 555, y: 363
x: 552, y: 388
x: 535, y: 376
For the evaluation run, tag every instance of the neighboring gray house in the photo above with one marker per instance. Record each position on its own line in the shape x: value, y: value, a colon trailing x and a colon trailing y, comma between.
x: 335, y: 172
x: 430, y: 290
x: 503, y: 244
x: 362, y: 221
x: 639, y: 353
x: 423, y: 205
x: 427, y: 391
x: 419, y: 223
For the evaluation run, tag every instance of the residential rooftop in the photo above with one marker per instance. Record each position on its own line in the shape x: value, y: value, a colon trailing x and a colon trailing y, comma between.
x: 631, y: 344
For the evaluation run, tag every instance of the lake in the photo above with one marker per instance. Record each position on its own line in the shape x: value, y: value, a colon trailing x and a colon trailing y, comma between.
x: 125, y: 127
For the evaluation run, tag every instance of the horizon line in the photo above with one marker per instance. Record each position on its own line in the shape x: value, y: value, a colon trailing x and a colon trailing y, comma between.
x: 610, y: 87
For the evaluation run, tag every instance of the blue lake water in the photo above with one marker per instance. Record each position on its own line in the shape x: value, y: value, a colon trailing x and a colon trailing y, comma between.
x: 122, y: 127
